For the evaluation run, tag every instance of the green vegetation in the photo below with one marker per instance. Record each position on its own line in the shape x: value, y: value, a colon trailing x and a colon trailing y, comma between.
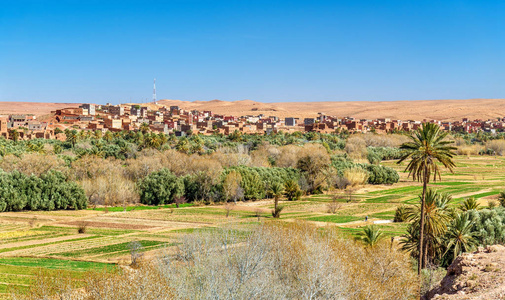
x: 50, y: 191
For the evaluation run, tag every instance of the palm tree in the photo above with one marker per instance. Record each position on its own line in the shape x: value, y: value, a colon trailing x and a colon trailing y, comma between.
x: 72, y: 137
x: 427, y: 146
x: 436, y: 217
x: 144, y: 128
x: 276, y: 190
x: 469, y: 204
x: 14, y: 135
x: 292, y: 190
x: 460, y: 238
x: 371, y: 235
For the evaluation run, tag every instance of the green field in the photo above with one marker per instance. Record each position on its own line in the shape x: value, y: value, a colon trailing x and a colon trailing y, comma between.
x: 49, y: 240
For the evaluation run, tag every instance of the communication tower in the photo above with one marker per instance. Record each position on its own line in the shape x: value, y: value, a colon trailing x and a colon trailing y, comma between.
x: 154, y: 91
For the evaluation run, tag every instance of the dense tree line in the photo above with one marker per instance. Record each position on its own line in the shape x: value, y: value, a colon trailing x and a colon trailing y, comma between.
x: 112, y: 167
x: 48, y: 191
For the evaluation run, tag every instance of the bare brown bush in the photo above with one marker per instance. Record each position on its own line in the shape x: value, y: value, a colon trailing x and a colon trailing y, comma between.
x: 273, y: 261
x: 356, y: 176
x: 111, y: 189
x: 356, y: 147
x: 333, y: 206
x: 32, y: 163
x: 497, y: 146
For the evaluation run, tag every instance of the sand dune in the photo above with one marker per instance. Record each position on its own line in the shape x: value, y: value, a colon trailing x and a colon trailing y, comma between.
x: 36, y: 108
x: 405, y: 110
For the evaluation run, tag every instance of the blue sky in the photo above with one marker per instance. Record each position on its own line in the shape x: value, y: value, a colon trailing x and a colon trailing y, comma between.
x: 269, y: 51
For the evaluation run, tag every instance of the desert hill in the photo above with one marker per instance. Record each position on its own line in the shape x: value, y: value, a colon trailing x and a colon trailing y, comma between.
x: 405, y: 110
x: 35, y: 108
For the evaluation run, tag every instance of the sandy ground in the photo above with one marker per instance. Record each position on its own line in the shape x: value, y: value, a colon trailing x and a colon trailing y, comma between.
x: 404, y: 110
x: 36, y: 108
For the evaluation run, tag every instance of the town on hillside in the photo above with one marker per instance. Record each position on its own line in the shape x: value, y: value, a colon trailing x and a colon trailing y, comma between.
x: 178, y: 121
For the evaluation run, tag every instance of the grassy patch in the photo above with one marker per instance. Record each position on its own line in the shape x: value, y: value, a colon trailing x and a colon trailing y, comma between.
x: 108, y: 249
x: 46, y: 244
x: 140, y: 207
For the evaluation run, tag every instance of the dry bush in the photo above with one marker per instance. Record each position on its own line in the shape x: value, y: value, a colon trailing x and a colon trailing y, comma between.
x: 231, y: 157
x: 91, y: 166
x: 468, y: 150
x: 356, y: 176
x: 142, y: 166
x: 274, y: 261
x: 334, y: 205
x: 83, y: 226
x: 497, y: 146
x: 32, y: 163
x: 279, y: 261
x: 356, y: 147
x: 289, y: 156
x: 228, y: 207
x: 231, y: 186
x: 259, y: 157
x: 146, y: 282
x: 313, y: 159
x: 111, y: 189
x: 458, y: 141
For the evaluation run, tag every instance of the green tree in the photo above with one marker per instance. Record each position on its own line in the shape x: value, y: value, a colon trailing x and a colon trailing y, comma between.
x: 427, y: 146
x: 160, y: 188
x: 72, y: 136
x: 469, y: 204
x: 459, y: 237
x: 436, y: 218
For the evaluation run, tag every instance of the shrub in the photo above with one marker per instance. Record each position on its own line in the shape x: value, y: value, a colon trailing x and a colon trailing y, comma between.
x: 83, y: 226
x: 356, y: 176
x: 381, y: 175
x: 496, y: 146
x: 160, y: 188
x: 50, y: 191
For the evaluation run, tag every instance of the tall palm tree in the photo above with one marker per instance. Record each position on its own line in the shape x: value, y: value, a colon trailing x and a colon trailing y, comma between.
x: 427, y: 146
x: 371, y: 235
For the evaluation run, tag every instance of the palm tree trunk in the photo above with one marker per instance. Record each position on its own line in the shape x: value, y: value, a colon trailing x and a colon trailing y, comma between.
x: 421, y: 229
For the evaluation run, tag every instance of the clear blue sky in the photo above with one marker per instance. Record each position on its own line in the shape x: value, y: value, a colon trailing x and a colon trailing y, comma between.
x: 269, y: 51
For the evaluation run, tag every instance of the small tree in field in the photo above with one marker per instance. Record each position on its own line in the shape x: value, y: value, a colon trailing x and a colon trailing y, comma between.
x: 276, y: 190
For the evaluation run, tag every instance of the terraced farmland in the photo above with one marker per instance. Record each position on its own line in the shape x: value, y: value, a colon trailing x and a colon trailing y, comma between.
x: 50, y: 240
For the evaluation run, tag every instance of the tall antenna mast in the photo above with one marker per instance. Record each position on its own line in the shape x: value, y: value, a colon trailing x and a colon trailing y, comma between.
x: 154, y: 91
